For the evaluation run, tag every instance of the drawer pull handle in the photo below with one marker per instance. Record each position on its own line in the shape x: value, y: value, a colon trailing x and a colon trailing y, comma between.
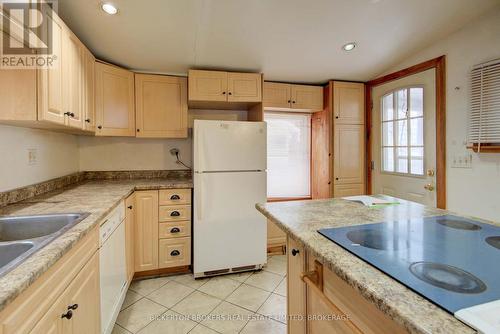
x: 73, y: 307
x: 175, y: 214
x: 68, y: 315
x: 174, y: 197
x: 175, y: 230
x: 295, y: 252
x: 130, y: 207
x: 175, y: 253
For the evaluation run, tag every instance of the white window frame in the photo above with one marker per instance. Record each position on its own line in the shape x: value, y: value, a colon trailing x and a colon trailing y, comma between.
x: 394, y: 122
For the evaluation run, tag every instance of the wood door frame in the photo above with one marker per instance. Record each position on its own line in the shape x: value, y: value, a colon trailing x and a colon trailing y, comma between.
x: 439, y: 64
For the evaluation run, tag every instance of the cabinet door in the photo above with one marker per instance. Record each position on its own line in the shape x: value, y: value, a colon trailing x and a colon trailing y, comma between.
x: 53, y: 322
x: 50, y: 81
x: 83, y: 295
x: 161, y: 106
x: 244, y: 87
x: 307, y: 97
x: 349, y: 103
x: 277, y: 95
x: 296, y: 288
x: 114, y: 101
x: 275, y: 236
x: 129, y: 235
x: 89, y: 96
x: 146, y: 230
x: 73, y: 70
x: 207, y: 85
x: 349, y: 154
x: 344, y: 190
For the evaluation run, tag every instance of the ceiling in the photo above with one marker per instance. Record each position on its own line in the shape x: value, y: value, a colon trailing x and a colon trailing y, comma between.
x: 287, y: 40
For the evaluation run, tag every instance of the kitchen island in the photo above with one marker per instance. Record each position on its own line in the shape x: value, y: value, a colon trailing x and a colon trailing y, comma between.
x: 362, y: 298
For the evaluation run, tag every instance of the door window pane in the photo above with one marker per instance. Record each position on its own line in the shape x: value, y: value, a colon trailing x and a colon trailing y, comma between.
x: 401, y: 133
x: 388, y: 159
x: 416, y: 102
x: 288, y: 155
x: 402, y: 160
x: 402, y: 104
x: 417, y: 131
x: 388, y: 134
x: 388, y: 107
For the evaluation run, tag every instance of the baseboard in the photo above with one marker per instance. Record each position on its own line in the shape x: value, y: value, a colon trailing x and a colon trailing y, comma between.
x: 162, y: 272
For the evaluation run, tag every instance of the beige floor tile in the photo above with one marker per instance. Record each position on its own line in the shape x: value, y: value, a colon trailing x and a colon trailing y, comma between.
x: 146, y: 286
x: 219, y: 287
x: 240, y: 277
x: 281, y: 289
x: 137, y: 316
x: 196, y: 305
x: 263, y: 327
x: 280, y: 257
x: 248, y: 297
x: 276, y: 265
x: 189, y: 280
x: 274, y: 308
x: 200, y: 329
x: 130, y: 298
x: 119, y: 330
x: 169, y: 323
x: 227, y: 318
x: 264, y: 280
x: 170, y: 294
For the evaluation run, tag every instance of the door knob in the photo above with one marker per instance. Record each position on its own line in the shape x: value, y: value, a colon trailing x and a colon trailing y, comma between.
x: 429, y: 187
x: 431, y: 172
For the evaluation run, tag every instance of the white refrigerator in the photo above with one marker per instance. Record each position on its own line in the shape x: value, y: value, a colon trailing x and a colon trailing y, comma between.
x: 230, y: 161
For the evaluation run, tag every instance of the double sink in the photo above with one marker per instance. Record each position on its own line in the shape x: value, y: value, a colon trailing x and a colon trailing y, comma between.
x: 21, y: 236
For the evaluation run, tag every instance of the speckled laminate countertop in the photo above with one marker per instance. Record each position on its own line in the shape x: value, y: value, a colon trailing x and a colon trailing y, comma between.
x: 96, y: 197
x: 301, y: 220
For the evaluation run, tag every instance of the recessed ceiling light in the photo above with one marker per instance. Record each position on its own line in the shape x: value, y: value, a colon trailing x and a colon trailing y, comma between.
x: 349, y: 46
x: 109, y: 8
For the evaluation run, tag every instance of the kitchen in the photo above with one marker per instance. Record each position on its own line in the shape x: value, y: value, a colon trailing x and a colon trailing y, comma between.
x: 253, y: 167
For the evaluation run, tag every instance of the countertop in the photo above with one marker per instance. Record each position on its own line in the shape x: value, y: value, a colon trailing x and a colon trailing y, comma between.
x: 95, y: 197
x: 301, y: 220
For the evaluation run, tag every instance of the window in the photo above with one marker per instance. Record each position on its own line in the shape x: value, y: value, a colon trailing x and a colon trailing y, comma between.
x: 403, y: 131
x: 288, y: 155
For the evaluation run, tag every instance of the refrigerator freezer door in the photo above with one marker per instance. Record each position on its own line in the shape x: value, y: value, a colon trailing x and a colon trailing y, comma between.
x: 229, y: 146
x: 228, y: 231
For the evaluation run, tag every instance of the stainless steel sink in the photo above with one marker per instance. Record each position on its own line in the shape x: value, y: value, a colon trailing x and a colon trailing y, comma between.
x: 21, y: 236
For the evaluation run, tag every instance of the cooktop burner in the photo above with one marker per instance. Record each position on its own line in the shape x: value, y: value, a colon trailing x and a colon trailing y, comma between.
x: 450, y: 260
x: 447, y: 277
x: 494, y: 241
x: 458, y: 224
x: 375, y: 238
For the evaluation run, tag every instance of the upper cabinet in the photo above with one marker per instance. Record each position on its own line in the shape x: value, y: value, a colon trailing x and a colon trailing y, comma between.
x: 218, y: 86
x: 114, y: 101
x: 281, y: 96
x: 89, y: 93
x: 349, y: 102
x: 161, y: 106
x: 73, y: 79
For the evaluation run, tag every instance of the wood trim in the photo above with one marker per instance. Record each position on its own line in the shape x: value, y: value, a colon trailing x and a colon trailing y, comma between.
x: 286, y: 199
x: 484, y: 148
x: 162, y: 271
x: 439, y: 64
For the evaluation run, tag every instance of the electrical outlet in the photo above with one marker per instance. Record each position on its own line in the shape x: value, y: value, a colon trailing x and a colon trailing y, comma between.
x: 462, y: 161
x: 174, y: 151
x: 32, y: 156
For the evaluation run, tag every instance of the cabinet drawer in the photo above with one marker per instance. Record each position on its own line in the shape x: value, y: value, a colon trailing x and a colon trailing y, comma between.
x: 174, y: 229
x: 175, y: 196
x: 175, y: 213
x: 175, y: 252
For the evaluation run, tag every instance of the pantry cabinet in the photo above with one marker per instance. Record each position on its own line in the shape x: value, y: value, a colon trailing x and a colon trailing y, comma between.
x: 146, y: 230
x: 161, y: 106
x: 114, y: 101
x: 224, y: 86
x: 129, y: 235
x: 289, y: 97
x: 349, y: 103
x: 349, y: 154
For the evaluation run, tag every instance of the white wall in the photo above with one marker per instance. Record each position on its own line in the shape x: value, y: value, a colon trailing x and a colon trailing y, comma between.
x: 473, y: 191
x: 57, y: 155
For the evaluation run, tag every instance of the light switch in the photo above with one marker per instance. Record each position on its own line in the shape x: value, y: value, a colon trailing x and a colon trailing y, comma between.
x: 32, y: 156
x: 462, y: 161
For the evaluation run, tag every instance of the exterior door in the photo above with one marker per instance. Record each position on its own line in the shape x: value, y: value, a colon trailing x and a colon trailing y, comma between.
x: 404, y: 138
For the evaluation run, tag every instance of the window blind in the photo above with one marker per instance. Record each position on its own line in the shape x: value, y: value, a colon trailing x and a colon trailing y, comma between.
x: 484, y: 121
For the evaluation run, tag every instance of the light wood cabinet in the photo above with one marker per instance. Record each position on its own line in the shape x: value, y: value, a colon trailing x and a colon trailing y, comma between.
x: 129, y: 235
x: 175, y: 196
x: 349, y: 154
x: 296, y: 289
x: 344, y: 190
x: 174, y: 252
x: 114, y: 101
x: 349, y: 103
x: 175, y: 213
x: 146, y: 230
x: 73, y: 76
x: 281, y: 96
x: 275, y: 236
x: 161, y: 106
x: 89, y: 94
x: 219, y: 86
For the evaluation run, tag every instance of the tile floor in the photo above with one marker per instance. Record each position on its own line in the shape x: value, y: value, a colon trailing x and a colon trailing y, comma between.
x: 240, y: 303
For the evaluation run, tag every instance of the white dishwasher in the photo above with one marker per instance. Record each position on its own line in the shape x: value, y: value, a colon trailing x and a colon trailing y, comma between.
x: 112, y: 266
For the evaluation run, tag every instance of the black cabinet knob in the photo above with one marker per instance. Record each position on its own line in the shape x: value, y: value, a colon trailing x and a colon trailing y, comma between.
x: 295, y: 252
x: 87, y: 120
x: 73, y: 307
x: 72, y: 114
x: 336, y: 117
x: 175, y: 230
x: 230, y: 93
x: 138, y: 130
x: 175, y: 252
x: 68, y: 315
x: 337, y: 178
x: 175, y: 214
x: 67, y: 113
x: 130, y: 207
x: 99, y: 127
x: 223, y: 93
x: 289, y: 101
x: 293, y: 101
x: 174, y: 197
